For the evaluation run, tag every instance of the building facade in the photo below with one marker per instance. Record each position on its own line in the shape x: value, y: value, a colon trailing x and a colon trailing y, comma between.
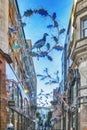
x: 74, y: 71
x: 17, y: 75
x: 79, y: 57
x: 76, y: 89
x: 57, y: 117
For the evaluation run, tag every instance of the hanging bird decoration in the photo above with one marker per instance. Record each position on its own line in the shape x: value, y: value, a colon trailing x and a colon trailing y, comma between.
x: 23, y: 24
x: 58, y: 47
x: 48, y: 46
x: 51, y: 79
x: 40, y: 43
x: 42, y: 90
x: 43, y: 98
x: 55, y: 39
x: 42, y: 53
x: 33, y: 54
x: 50, y: 26
x: 28, y: 13
x: 51, y: 82
x: 43, y: 12
x: 27, y: 45
x: 12, y: 30
x: 44, y: 77
x: 45, y: 54
x: 54, y: 16
x: 62, y: 31
x: 49, y: 58
x: 24, y: 58
x: 16, y: 46
x: 55, y: 23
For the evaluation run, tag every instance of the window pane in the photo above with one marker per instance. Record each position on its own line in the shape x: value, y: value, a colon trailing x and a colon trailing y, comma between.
x: 85, y: 24
x: 85, y: 33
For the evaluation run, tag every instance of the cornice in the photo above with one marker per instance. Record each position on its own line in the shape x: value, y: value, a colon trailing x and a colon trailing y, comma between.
x: 6, y: 56
x: 80, y: 11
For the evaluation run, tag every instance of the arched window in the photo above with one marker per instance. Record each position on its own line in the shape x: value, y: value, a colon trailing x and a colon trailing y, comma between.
x: 20, y: 101
x: 16, y: 96
x: 26, y: 106
x: 10, y: 90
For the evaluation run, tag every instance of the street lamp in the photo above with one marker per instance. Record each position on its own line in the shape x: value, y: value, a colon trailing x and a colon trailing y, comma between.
x: 16, y: 83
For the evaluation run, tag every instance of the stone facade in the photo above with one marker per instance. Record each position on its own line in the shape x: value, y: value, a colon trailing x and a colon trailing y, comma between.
x: 80, y: 58
x: 77, y: 69
x: 75, y: 116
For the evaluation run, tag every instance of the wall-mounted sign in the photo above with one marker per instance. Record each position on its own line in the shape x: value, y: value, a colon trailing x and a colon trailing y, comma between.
x: 11, y: 103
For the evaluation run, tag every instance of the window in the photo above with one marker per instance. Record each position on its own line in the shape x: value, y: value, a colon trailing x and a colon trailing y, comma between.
x: 26, y: 108
x: 74, y: 92
x: 20, y: 100
x: 84, y: 28
x: 16, y: 96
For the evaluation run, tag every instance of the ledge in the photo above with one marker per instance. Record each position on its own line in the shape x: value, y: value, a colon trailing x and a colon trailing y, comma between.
x: 82, y: 88
x: 6, y: 56
x: 80, y: 49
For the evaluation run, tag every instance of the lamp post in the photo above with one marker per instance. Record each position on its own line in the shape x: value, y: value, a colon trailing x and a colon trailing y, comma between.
x: 8, y: 81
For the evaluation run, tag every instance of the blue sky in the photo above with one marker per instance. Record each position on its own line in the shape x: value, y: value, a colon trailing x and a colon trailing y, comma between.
x: 36, y: 26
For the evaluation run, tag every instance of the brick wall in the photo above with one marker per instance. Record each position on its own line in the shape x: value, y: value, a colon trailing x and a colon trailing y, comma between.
x: 3, y: 102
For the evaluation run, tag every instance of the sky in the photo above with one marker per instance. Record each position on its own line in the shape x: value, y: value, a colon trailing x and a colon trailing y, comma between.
x: 36, y: 26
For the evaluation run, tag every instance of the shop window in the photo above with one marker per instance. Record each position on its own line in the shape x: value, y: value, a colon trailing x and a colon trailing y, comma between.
x: 16, y: 95
x: 20, y: 101
x: 84, y: 28
x: 13, y: 94
x: 26, y: 106
x: 16, y: 121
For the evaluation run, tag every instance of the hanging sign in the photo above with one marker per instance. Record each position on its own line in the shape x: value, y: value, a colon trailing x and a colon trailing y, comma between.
x: 11, y: 103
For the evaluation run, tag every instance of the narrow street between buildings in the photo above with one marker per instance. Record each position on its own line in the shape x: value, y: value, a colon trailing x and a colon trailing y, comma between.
x: 43, y: 65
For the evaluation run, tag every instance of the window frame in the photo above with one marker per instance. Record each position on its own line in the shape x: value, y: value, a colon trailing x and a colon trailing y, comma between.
x: 82, y: 28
